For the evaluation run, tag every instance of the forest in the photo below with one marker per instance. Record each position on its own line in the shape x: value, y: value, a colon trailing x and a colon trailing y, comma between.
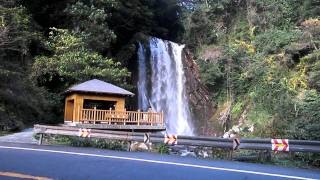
x: 259, y: 59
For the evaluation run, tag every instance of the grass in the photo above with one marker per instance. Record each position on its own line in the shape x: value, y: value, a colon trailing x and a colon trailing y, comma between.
x: 285, y: 159
x: 84, y: 142
x: 4, y: 133
x: 96, y: 143
x: 162, y: 148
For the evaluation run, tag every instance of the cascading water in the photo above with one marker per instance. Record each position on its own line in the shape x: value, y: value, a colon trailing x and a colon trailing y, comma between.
x: 166, y: 91
x: 142, y: 88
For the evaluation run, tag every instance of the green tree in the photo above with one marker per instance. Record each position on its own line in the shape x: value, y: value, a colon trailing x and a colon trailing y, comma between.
x: 71, y: 63
x: 273, y: 40
x: 15, y: 30
x: 160, y: 18
x: 208, y: 21
x: 211, y: 74
x: 200, y: 28
x: 311, y: 9
x: 21, y: 103
x: 306, y: 123
x: 279, y: 14
x: 90, y: 22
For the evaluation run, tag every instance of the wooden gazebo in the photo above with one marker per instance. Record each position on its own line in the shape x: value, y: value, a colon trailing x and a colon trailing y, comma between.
x: 96, y: 103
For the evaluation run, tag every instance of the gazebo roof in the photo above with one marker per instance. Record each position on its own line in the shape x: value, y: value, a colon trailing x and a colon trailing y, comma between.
x: 98, y: 86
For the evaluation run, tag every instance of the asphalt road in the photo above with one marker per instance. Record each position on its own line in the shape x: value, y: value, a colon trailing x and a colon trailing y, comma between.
x: 56, y: 162
x: 25, y: 136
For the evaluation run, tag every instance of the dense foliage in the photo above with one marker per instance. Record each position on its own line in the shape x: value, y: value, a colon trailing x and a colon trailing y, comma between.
x: 47, y: 46
x: 259, y: 58
x: 262, y: 57
x: 20, y: 101
x: 72, y: 62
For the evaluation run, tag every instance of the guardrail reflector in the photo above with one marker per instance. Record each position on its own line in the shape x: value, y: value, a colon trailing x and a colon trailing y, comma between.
x: 280, y: 144
x: 84, y: 132
x: 170, y: 139
x: 146, y: 138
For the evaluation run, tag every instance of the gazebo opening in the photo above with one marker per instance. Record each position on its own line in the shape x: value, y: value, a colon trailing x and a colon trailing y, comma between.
x: 99, y: 104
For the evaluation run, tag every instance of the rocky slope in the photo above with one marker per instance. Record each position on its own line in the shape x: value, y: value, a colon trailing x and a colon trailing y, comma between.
x: 201, y: 106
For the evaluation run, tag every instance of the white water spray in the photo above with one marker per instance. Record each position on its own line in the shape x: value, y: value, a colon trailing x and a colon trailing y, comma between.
x: 167, y: 84
x: 142, y: 88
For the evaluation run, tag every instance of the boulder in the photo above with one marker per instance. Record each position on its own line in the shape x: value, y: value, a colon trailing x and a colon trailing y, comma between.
x: 138, y: 146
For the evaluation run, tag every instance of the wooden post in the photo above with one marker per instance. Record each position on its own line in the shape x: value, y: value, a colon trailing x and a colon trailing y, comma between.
x: 79, y: 114
x: 94, y: 115
x: 124, y: 117
x: 138, y: 117
x: 161, y: 118
x: 40, y: 139
x: 110, y: 116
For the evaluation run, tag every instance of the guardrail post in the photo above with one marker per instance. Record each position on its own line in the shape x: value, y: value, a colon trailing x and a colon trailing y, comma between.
x: 230, y: 154
x: 268, y: 155
x: 40, y: 139
x: 129, y: 146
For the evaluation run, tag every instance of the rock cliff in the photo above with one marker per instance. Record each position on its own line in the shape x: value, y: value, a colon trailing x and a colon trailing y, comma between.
x: 201, y: 105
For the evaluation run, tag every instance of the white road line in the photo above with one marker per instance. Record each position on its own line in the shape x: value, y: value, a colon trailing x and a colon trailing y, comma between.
x: 160, y: 162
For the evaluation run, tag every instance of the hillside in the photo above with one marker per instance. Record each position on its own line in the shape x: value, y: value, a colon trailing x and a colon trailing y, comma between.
x: 259, y: 59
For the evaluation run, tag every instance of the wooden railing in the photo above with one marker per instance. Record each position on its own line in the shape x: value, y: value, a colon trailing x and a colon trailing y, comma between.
x: 121, y: 117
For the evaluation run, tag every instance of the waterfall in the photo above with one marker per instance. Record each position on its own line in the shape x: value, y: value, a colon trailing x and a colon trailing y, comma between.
x: 142, y: 88
x: 166, y: 91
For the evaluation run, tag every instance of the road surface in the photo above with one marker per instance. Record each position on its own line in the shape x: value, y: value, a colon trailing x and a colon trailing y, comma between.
x: 25, y: 136
x: 57, y: 162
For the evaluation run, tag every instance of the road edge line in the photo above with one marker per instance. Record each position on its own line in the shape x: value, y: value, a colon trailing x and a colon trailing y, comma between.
x: 159, y: 162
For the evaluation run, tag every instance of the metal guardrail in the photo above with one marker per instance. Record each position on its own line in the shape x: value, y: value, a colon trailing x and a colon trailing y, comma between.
x: 204, y: 141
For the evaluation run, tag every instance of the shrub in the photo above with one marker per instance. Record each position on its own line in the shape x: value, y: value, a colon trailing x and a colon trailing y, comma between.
x: 273, y: 40
x: 163, y: 149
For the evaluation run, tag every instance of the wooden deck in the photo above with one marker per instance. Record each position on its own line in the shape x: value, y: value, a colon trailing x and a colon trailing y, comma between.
x: 121, y: 127
x: 113, y: 117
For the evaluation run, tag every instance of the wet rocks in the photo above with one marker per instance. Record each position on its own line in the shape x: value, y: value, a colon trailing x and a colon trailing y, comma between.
x: 191, y: 151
